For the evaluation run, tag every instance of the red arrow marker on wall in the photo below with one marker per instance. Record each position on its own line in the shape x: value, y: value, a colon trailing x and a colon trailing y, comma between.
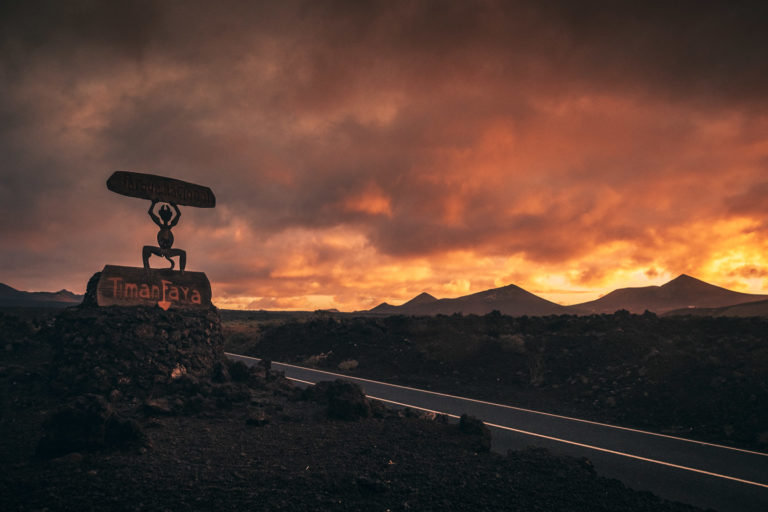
x: 164, y: 303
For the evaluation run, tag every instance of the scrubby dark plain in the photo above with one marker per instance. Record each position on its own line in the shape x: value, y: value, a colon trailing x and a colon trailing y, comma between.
x: 219, y: 436
x: 704, y: 378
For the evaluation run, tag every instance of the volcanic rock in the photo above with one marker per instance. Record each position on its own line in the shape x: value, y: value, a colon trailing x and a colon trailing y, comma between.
x: 138, y: 351
x: 346, y: 401
x: 87, y: 423
x: 15, y: 332
x: 474, y: 427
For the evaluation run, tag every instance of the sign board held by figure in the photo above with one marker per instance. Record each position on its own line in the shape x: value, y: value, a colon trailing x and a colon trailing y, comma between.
x: 145, y: 286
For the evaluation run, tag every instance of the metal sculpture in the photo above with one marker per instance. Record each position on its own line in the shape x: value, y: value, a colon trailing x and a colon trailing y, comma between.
x: 169, y: 191
x: 165, y: 222
x: 130, y: 286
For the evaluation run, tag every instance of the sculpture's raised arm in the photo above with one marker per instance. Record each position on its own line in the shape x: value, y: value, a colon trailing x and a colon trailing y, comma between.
x: 153, y: 215
x: 176, y: 217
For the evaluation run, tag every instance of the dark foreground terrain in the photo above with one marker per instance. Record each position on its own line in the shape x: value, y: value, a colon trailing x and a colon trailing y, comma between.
x: 163, y: 422
x: 698, y: 377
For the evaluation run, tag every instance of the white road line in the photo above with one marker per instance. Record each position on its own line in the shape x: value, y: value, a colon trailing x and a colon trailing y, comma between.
x: 516, y: 408
x: 629, y: 455
x: 581, y: 445
x: 302, y: 381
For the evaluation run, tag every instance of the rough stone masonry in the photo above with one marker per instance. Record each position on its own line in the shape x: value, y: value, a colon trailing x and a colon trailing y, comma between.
x: 132, y: 350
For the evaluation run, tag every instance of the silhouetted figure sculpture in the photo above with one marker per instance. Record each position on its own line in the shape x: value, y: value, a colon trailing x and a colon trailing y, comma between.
x: 166, y: 221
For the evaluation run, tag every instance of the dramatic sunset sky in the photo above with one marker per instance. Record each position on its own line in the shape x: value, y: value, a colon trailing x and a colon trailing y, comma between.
x: 366, y: 151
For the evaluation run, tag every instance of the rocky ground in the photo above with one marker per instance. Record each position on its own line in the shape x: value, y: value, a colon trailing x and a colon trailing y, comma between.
x: 150, y: 428
x: 703, y: 378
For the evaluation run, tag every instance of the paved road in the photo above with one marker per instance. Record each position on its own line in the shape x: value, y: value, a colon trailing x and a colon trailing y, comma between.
x: 702, y: 474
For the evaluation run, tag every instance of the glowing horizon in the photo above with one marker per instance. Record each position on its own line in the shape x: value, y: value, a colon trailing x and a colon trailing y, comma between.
x: 365, y: 154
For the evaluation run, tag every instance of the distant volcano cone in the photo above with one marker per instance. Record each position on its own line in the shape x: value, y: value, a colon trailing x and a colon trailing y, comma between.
x: 682, y: 292
x: 422, y: 298
x: 509, y: 300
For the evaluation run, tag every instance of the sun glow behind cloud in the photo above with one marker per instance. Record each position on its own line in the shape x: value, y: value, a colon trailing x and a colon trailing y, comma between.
x: 362, y: 155
x: 337, y: 260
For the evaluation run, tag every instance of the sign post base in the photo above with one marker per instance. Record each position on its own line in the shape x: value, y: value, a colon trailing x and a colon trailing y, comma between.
x: 165, y: 288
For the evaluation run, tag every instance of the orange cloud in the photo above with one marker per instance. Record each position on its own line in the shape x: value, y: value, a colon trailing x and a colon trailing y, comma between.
x: 371, y: 201
x: 363, y: 155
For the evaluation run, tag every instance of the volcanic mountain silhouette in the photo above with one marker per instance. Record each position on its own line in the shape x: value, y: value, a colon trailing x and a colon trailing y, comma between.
x: 422, y: 298
x: 680, y: 293
x: 11, y: 297
x: 744, y: 309
x: 509, y: 300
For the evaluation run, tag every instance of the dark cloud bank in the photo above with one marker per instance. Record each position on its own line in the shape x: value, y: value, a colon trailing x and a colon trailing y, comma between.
x: 537, y: 128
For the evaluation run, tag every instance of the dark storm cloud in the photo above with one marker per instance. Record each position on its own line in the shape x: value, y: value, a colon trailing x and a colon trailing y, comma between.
x: 58, y: 30
x: 391, y: 118
x: 753, y: 200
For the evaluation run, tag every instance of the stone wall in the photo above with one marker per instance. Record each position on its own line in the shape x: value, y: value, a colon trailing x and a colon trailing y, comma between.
x: 132, y: 351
